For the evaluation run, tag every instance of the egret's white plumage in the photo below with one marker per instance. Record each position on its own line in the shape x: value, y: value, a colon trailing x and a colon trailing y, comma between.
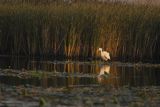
x: 104, y: 55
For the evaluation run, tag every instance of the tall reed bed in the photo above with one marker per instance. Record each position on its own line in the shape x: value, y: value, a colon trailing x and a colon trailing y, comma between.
x: 128, y: 32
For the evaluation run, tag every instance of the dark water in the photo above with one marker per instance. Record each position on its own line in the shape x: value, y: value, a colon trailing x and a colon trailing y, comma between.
x: 80, y: 73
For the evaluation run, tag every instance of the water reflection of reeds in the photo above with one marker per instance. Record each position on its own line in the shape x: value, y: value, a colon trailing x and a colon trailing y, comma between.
x: 74, y: 73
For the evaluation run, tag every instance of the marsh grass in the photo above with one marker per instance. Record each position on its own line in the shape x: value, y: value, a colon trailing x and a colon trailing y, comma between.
x: 129, y: 32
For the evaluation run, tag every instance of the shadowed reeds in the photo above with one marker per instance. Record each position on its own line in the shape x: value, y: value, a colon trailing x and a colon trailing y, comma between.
x: 129, y: 32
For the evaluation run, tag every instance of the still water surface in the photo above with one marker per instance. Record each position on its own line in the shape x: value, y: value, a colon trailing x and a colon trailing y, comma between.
x: 80, y: 73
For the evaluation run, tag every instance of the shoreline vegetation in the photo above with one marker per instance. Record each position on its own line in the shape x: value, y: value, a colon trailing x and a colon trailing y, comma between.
x: 130, y: 32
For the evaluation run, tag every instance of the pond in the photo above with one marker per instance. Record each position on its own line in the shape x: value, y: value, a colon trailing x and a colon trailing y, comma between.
x: 34, y: 82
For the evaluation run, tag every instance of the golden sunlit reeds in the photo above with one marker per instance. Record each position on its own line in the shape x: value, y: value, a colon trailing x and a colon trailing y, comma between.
x: 127, y: 31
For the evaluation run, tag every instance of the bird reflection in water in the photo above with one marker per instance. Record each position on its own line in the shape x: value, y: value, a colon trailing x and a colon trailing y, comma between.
x: 104, y: 73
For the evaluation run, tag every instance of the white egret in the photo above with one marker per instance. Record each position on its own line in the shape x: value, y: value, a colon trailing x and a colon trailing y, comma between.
x: 104, y: 55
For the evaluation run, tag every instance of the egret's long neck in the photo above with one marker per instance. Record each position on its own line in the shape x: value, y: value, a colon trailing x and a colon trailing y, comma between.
x: 101, y: 51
